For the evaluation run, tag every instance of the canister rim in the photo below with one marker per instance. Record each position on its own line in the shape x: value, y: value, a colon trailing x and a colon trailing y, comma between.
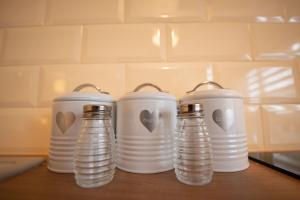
x: 85, y: 96
x: 147, y: 95
x: 213, y: 93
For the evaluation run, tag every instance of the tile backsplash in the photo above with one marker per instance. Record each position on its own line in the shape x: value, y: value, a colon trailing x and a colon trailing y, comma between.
x: 48, y: 47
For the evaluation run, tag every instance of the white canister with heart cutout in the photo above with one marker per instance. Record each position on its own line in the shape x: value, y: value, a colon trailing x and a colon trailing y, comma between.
x: 145, y: 124
x: 66, y: 121
x: 224, y: 116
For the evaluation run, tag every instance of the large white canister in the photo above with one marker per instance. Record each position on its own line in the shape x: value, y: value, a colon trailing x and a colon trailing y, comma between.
x: 223, y: 113
x: 145, y: 124
x: 66, y: 122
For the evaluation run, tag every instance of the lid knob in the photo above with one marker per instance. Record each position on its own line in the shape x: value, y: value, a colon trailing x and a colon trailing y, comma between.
x: 205, y: 83
x: 147, y: 84
x: 86, y: 85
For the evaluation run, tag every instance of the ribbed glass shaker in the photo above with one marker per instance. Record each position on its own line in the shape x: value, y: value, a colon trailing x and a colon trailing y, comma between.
x: 192, y: 148
x: 94, y: 153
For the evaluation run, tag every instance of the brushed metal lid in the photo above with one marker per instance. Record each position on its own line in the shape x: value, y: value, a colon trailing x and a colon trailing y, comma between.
x: 96, y: 108
x: 190, y: 108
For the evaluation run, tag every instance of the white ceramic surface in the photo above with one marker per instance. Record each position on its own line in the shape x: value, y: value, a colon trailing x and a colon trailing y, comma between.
x: 224, y: 116
x: 66, y: 123
x: 145, y: 124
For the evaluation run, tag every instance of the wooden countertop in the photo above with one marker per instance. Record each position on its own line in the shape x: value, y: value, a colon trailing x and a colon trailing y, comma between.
x: 257, y: 182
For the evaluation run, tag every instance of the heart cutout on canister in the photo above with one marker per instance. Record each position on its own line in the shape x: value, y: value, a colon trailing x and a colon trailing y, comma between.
x: 223, y: 119
x: 149, y: 120
x: 65, y: 120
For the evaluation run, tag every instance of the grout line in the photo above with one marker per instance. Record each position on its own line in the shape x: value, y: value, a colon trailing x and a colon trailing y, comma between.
x: 200, y: 21
x: 164, y: 47
x: 251, y: 41
x: 121, y: 10
x: 46, y: 12
x: 146, y: 61
x: 83, y: 33
x: 38, y: 88
x: 2, y: 48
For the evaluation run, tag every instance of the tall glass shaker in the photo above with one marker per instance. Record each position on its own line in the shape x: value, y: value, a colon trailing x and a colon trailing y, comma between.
x: 94, y: 160
x: 192, y: 156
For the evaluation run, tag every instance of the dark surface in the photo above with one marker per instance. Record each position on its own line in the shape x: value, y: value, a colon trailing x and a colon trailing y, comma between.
x: 257, y: 182
x: 286, y: 162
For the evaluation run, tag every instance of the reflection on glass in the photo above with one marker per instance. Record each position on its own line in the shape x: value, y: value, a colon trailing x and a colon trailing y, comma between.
x: 297, y: 107
x: 276, y: 108
x: 295, y: 46
x: 290, y: 53
x: 294, y: 19
x: 279, y: 85
x: 264, y: 19
x: 261, y: 19
x: 271, y: 80
x: 59, y: 86
x: 165, y: 68
x: 277, y: 77
x: 174, y: 38
x: 164, y: 16
x: 156, y: 38
x: 210, y: 75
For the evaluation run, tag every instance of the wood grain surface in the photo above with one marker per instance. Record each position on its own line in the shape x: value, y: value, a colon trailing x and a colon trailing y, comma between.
x: 257, y: 182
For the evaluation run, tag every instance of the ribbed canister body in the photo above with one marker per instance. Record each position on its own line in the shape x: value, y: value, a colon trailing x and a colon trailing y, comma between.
x: 224, y: 117
x: 145, y: 125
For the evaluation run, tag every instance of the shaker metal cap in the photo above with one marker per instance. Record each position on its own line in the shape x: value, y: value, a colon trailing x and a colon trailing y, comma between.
x: 96, y: 108
x: 190, y: 108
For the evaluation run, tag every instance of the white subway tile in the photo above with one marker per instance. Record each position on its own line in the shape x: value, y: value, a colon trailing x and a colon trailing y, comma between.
x: 292, y: 10
x: 259, y: 79
x: 176, y: 78
x: 281, y: 126
x: 254, y: 127
x: 42, y: 45
x: 84, y: 11
x: 246, y: 10
x: 127, y: 42
x: 276, y: 41
x: 18, y: 86
x: 22, y: 12
x: 168, y: 10
x: 24, y: 131
x: 214, y: 41
x: 57, y: 80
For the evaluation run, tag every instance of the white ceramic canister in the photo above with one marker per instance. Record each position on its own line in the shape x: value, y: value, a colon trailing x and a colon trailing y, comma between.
x: 145, y: 124
x: 66, y: 122
x: 223, y: 113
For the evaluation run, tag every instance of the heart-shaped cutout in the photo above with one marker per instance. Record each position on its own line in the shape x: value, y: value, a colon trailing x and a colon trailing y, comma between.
x: 149, y: 120
x: 223, y: 119
x: 65, y: 120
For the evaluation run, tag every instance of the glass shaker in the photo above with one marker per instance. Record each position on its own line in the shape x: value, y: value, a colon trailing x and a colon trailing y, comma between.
x: 193, y: 155
x: 94, y: 153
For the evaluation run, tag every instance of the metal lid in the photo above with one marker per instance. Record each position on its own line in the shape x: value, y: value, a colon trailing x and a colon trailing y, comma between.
x: 99, y: 111
x: 96, y: 108
x: 100, y: 96
x: 190, y: 108
x: 148, y: 95
x: 220, y: 92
